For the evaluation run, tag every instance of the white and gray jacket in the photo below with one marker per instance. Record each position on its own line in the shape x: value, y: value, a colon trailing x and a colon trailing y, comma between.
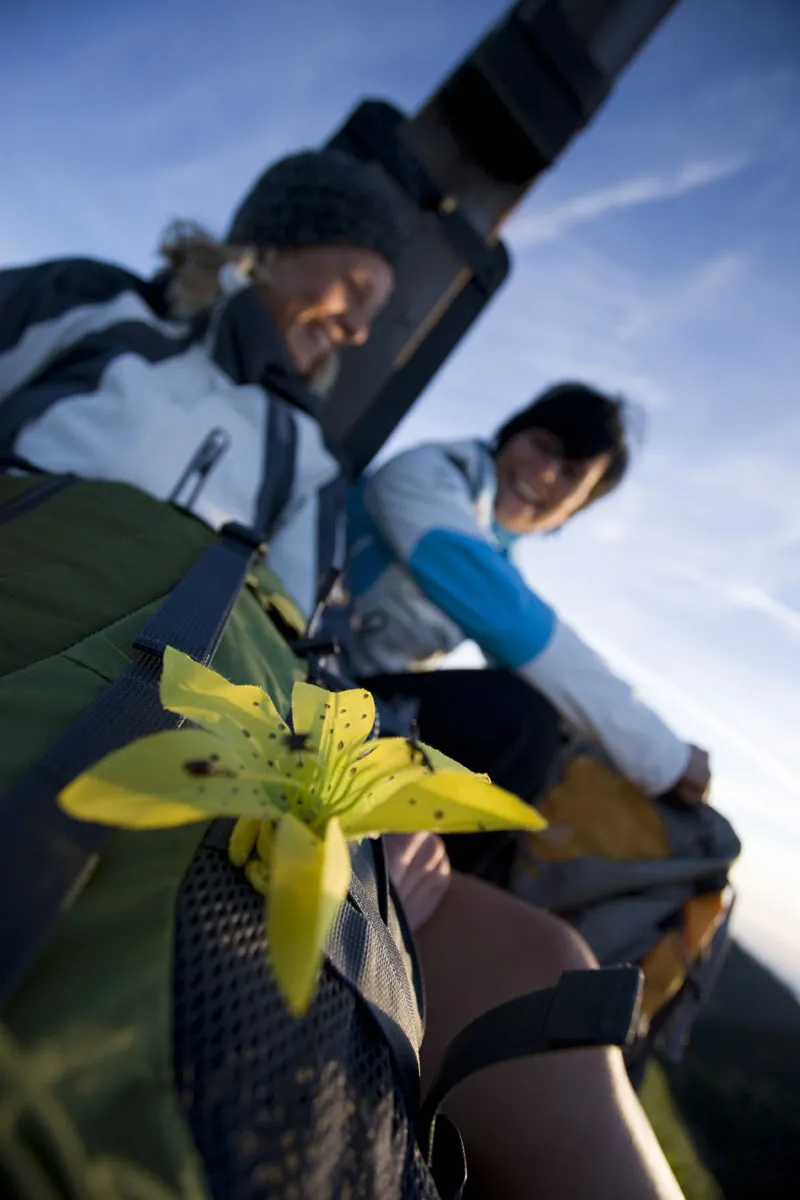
x: 96, y: 380
x: 427, y: 571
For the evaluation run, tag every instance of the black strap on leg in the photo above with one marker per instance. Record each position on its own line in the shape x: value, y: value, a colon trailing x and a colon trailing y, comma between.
x: 585, y: 1008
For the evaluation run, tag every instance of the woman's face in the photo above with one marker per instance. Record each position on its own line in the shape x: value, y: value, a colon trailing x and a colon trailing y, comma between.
x: 538, y: 489
x: 324, y: 298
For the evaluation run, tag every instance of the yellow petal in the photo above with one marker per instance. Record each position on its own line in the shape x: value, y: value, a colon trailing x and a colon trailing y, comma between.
x: 310, y: 878
x: 266, y: 838
x: 259, y: 876
x: 241, y: 714
x: 447, y: 802
x: 334, y: 721
x: 384, y: 767
x: 146, y: 784
x: 442, y: 762
x: 243, y: 840
x: 287, y: 610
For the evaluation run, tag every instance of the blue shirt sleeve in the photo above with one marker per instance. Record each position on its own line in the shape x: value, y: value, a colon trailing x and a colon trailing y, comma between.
x: 475, y: 585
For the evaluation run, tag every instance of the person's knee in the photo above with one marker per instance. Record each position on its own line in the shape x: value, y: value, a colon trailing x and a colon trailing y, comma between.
x: 482, y: 947
x: 540, y: 944
x: 558, y: 942
x: 505, y: 946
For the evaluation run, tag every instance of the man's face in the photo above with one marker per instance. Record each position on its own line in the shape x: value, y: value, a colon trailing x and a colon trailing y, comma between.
x: 324, y: 298
x: 538, y: 489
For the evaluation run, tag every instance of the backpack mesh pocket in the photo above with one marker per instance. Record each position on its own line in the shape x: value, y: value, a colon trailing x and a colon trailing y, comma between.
x: 304, y: 1109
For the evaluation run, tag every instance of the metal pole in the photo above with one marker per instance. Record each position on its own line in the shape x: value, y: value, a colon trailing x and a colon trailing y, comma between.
x: 463, y: 162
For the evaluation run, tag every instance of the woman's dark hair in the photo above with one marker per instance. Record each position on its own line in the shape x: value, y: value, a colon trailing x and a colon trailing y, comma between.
x: 586, y: 422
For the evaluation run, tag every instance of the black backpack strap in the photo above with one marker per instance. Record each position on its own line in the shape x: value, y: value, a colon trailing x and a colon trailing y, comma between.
x: 59, y: 852
x: 585, y: 1008
x: 280, y: 453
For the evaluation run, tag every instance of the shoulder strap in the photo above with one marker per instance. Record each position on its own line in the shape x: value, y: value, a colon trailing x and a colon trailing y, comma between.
x: 280, y: 453
x: 59, y: 853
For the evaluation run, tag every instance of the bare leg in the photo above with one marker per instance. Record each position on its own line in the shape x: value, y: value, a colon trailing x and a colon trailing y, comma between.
x: 564, y: 1125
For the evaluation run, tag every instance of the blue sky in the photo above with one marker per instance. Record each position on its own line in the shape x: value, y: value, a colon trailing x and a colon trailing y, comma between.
x: 660, y: 258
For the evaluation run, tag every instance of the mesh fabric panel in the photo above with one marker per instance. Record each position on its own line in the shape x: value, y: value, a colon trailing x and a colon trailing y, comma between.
x: 279, y: 1108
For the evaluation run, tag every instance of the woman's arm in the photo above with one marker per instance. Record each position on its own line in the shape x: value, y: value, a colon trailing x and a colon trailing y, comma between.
x: 421, y: 504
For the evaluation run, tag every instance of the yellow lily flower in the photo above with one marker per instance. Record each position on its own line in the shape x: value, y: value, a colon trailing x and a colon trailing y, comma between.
x: 300, y: 794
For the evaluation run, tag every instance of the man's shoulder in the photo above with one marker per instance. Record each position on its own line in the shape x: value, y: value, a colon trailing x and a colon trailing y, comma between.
x: 62, y: 283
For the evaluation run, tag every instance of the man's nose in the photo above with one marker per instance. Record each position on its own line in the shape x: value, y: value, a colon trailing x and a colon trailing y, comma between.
x: 359, y: 336
x: 355, y: 327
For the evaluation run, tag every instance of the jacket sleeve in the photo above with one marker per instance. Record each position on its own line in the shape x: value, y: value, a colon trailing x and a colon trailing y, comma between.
x: 421, y: 504
x: 42, y: 307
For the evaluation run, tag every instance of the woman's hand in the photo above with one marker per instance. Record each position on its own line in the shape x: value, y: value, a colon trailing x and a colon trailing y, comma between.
x: 420, y: 871
x: 694, y: 785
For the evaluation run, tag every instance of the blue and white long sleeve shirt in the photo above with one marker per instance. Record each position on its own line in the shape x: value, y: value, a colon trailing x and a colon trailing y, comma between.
x: 428, y: 570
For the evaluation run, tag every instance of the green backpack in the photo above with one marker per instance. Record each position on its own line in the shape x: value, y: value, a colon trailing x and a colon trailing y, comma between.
x: 145, y: 1053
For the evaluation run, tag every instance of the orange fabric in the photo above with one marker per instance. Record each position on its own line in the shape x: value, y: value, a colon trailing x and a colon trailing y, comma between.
x: 664, y: 970
x: 703, y: 916
x: 594, y: 811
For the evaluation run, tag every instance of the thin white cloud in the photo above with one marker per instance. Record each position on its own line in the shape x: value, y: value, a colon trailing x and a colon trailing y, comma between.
x: 749, y: 596
x: 533, y: 228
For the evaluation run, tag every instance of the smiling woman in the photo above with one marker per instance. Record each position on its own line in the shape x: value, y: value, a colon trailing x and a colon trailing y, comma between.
x: 318, y: 247
x: 433, y: 535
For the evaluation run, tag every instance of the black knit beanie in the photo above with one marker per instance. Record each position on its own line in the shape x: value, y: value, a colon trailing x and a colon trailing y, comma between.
x: 321, y: 198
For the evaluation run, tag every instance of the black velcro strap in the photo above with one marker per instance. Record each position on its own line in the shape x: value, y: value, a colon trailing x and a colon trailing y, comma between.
x: 585, y: 1008
x: 46, y: 856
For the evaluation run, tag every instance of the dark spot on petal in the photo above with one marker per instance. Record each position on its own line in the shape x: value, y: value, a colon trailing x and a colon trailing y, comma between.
x: 340, y: 745
x: 256, y: 704
x: 411, y: 800
x: 198, y: 767
x: 247, y: 733
x: 270, y: 762
x: 363, y: 716
x: 296, y: 741
x: 353, y: 770
x: 439, y: 814
x: 214, y: 757
x: 272, y: 736
x: 204, y: 766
